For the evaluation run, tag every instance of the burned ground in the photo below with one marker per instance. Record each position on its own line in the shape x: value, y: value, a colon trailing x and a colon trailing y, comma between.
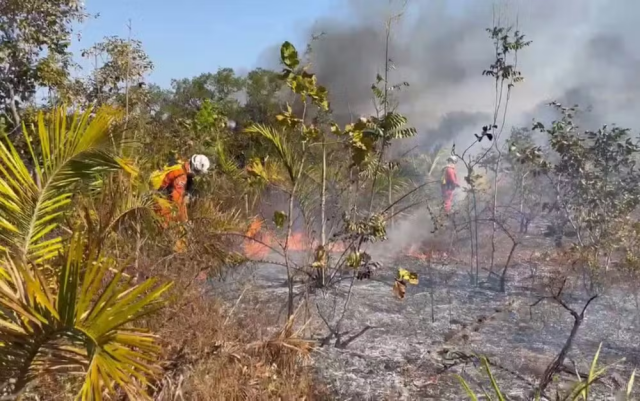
x: 401, y: 356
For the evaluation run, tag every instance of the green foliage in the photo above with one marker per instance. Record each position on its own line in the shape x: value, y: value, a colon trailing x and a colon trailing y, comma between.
x: 354, y: 259
x: 365, y: 135
x: 189, y: 94
x: 81, y: 326
x: 371, y: 229
x: 72, y: 149
x: 279, y: 218
x: 123, y: 62
x: 209, y: 118
x: 281, y: 146
x: 34, y: 40
x: 302, y: 82
x: 594, y: 175
x: 289, y: 56
x: 362, y: 140
x: 262, y: 87
x: 506, y: 43
x: 382, y: 97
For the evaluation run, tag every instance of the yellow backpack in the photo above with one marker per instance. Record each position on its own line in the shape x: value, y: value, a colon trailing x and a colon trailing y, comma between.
x: 157, y: 176
x: 444, y: 175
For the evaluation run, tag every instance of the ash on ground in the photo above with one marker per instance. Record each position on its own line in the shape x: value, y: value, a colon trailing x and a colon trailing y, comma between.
x: 440, y: 320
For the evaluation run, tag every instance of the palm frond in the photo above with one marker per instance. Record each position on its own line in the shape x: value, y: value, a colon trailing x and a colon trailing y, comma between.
x: 70, y: 149
x: 226, y: 165
x: 581, y: 388
x: 281, y: 146
x: 82, y: 326
x: 394, y: 125
x: 494, y: 384
x: 467, y: 389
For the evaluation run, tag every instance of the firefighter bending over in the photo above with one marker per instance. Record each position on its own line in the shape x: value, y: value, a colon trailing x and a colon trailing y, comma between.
x: 449, y: 182
x: 174, y: 184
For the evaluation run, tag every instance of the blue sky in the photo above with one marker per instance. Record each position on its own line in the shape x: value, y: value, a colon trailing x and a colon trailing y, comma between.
x: 187, y: 37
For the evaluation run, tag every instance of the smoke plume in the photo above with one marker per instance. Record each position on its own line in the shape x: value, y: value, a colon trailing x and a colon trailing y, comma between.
x: 582, y: 53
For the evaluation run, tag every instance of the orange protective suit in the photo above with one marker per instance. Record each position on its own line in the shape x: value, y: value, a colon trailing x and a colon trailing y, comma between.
x: 449, y: 185
x: 175, y: 185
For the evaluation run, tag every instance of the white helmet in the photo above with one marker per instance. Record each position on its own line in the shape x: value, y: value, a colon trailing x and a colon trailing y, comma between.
x: 452, y: 159
x: 199, y: 164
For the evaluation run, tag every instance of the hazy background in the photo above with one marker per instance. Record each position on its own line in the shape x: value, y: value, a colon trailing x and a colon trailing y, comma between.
x: 582, y: 52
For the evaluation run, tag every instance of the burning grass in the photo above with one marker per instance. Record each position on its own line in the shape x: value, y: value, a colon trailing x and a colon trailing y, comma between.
x: 259, y: 242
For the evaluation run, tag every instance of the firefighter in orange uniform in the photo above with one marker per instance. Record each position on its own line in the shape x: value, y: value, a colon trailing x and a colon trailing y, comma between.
x: 449, y: 183
x: 175, y: 186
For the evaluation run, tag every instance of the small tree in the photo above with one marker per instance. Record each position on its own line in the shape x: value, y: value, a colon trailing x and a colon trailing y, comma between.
x: 594, y: 180
x: 120, y: 65
x: 34, y: 40
x: 506, y: 75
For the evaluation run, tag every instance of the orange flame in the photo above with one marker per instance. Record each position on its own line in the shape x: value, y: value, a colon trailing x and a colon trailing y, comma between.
x: 258, y: 248
x: 297, y: 242
x: 337, y: 247
x: 415, y: 251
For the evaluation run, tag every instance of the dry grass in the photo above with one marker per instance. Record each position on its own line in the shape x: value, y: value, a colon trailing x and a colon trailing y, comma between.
x: 214, y: 353
x: 210, y: 357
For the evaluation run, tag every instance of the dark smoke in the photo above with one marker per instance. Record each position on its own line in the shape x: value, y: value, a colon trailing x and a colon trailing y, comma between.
x: 449, y: 126
x: 583, y: 52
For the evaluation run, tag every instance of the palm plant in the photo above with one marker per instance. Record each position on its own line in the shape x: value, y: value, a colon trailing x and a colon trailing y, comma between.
x: 281, y: 145
x: 35, y: 193
x: 82, y: 326
x: 78, y: 320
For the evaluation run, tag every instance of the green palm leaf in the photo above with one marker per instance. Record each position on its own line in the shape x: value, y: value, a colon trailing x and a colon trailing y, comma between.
x: 394, y: 125
x: 281, y: 146
x: 71, y: 149
x: 83, y: 327
x: 226, y: 165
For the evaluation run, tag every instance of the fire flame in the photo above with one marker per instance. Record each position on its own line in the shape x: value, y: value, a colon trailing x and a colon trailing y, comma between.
x: 416, y: 251
x: 261, y: 246
x: 258, y: 248
x: 258, y: 242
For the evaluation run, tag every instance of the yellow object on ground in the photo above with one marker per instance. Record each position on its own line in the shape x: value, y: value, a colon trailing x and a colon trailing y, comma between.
x: 180, y: 246
x: 406, y: 275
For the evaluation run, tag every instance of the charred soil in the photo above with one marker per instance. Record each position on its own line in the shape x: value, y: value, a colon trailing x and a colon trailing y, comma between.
x: 413, y: 346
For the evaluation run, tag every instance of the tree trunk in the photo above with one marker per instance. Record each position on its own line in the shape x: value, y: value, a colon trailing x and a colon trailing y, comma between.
x: 503, y: 277
x: 14, y: 109
x: 389, y: 197
x: 494, y: 208
x: 323, y: 206
x: 471, y: 239
x: 558, y: 361
x: 475, y: 233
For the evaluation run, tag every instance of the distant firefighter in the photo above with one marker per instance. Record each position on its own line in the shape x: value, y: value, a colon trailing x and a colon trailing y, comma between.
x: 449, y: 182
